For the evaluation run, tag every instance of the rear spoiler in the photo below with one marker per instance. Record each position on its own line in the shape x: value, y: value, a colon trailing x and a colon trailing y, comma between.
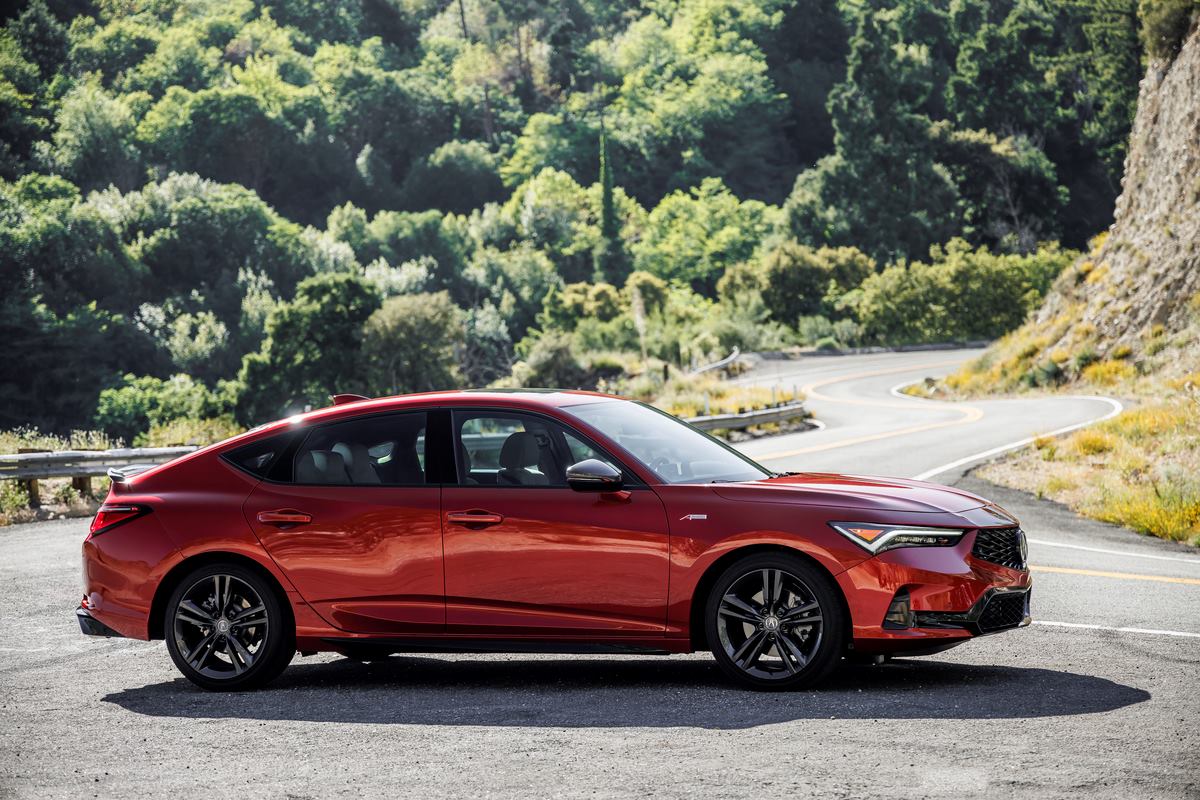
x: 342, y: 399
x: 123, y: 474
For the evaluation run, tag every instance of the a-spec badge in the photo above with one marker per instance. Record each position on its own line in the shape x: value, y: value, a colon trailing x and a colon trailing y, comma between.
x: 693, y: 516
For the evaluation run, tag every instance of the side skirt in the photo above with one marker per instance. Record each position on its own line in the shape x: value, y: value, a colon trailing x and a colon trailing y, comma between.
x: 413, y: 645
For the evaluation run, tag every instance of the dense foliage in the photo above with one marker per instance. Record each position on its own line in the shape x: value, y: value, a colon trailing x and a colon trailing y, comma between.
x: 236, y: 207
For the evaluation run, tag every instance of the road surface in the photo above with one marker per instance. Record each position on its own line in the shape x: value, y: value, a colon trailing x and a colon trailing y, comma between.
x: 1078, y: 705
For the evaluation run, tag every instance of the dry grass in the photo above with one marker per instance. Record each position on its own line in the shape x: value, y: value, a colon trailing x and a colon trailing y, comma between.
x: 1140, y: 469
x: 33, y: 439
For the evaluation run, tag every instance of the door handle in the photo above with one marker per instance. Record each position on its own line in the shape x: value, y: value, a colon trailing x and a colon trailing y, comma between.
x: 284, y: 517
x: 480, y: 518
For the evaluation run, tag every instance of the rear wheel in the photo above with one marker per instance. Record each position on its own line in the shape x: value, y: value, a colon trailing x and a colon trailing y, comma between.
x: 226, y: 629
x: 774, y: 621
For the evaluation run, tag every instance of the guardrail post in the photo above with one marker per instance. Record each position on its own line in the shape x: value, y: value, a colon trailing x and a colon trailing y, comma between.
x: 31, y: 484
x: 83, y: 485
x: 31, y: 491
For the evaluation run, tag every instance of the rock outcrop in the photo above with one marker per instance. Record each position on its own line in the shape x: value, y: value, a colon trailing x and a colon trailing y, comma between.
x: 1143, y: 281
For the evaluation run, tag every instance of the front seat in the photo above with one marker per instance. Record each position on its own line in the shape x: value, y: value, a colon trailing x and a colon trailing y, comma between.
x: 519, y: 452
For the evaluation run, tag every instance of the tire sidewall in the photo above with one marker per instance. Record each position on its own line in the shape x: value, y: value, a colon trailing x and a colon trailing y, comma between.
x: 277, y: 650
x: 833, y: 630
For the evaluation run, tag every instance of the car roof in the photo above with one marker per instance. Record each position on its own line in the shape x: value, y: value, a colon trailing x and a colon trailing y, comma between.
x: 533, y: 399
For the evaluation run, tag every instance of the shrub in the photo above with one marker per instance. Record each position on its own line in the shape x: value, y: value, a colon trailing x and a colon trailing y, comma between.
x: 1091, y: 442
x: 1170, y: 510
x: 1109, y: 373
x: 960, y: 294
x: 1165, y: 25
x: 190, y: 431
x: 131, y: 409
x: 13, y: 497
x: 813, y: 329
x: 551, y: 363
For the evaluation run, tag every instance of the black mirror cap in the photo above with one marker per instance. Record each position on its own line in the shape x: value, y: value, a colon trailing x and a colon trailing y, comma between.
x: 592, y: 475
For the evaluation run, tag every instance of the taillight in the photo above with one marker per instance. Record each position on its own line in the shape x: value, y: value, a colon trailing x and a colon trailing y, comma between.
x: 111, y: 514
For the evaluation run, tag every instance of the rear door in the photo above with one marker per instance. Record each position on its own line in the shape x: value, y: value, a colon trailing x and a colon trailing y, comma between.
x: 354, y: 520
x: 526, y: 556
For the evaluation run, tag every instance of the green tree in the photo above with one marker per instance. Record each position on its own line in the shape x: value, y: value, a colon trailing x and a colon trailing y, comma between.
x: 694, y: 236
x: 609, y: 257
x: 412, y: 343
x: 94, y: 142
x: 312, y: 348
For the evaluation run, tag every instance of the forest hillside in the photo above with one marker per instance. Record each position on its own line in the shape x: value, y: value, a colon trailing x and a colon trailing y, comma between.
x: 218, y: 212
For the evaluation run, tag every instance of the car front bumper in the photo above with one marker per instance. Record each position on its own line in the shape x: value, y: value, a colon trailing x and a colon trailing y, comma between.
x: 954, y: 596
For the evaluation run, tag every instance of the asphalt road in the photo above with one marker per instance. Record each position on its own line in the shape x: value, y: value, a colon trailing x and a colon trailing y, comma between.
x: 1049, y: 711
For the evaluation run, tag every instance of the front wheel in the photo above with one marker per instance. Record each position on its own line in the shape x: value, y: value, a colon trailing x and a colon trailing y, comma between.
x: 774, y: 621
x: 226, y: 629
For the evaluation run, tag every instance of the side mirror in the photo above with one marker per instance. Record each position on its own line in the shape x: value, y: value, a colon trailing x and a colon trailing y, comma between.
x: 592, y: 475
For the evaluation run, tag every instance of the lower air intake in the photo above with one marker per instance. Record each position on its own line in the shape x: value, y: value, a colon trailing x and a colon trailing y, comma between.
x: 1003, y: 611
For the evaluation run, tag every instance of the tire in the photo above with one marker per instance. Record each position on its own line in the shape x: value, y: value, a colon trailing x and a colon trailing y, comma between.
x: 792, y: 640
x: 226, y: 629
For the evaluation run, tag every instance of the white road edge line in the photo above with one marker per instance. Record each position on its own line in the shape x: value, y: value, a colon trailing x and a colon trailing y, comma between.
x: 1116, y: 408
x: 1130, y: 553
x: 1149, y: 631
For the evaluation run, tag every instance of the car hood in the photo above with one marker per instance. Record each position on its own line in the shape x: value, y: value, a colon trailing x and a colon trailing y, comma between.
x: 863, y: 492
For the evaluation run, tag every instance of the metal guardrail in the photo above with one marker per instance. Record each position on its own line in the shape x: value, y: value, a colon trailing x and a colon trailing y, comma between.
x: 746, y: 419
x: 727, y: 360
x: 82, y: 463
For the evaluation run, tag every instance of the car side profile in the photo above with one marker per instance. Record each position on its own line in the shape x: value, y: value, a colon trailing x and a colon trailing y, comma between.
x: 535, y: 521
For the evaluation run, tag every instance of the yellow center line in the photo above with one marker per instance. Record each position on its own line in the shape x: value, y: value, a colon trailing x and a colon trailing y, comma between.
x: 1127, y: 576
x: 970, y: 413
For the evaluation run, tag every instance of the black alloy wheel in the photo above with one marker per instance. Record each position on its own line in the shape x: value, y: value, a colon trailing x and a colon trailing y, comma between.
x: 226, y: 630
x: 774, y: 622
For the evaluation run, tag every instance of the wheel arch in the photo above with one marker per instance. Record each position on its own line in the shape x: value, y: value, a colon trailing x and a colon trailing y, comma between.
x: 158, y: 605
x: 697, y: 630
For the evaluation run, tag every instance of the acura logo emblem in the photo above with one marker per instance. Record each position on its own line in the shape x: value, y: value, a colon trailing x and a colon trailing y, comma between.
x: 1024, y: 545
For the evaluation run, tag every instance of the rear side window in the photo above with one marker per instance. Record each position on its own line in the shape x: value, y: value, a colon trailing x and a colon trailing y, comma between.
x: 384, y: 450
x: 259, y: 457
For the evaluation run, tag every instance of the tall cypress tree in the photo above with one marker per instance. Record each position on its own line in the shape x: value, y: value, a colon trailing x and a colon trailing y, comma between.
x: 608, y: 259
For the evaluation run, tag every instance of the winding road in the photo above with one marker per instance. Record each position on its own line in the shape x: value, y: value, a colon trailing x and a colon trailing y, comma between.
x: 1100, y: 697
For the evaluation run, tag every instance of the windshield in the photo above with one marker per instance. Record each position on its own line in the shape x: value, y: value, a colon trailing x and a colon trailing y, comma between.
x: 675, y: 451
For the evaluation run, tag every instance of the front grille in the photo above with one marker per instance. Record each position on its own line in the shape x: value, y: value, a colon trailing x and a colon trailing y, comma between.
x: 1000, y: 546
x: 1003, y: 611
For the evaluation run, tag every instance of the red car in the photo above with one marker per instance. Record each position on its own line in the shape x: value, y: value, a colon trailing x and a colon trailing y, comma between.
x: 535, y: 521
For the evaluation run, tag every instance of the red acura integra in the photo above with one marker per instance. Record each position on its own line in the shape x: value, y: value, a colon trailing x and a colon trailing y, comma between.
x: 535, y: 521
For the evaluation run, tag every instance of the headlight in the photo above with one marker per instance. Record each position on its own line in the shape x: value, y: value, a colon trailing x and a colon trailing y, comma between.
x: 875, y: 538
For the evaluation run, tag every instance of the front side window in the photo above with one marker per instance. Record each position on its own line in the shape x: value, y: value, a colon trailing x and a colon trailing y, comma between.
x: 384, y: 450
x: 503, y: 448
x: 675, y: 451
x: 507, y: 449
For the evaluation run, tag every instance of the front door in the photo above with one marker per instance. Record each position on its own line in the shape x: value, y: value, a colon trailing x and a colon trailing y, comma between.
x: 526, y: 555
x: 356, y: 525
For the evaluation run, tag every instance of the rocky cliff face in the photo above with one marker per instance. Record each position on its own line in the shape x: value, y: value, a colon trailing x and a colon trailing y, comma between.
x: 1142, y: 283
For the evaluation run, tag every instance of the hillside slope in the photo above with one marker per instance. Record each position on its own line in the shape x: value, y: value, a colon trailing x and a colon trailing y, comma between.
x: 1125, y: 321
x: 1131, y: 306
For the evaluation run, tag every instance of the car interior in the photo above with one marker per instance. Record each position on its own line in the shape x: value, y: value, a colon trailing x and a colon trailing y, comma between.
x: 379, y: 451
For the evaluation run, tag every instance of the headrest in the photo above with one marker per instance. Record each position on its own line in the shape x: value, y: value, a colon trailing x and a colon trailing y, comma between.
x: 357, y: 461
x: 322, y: 467
x: 520, y: 450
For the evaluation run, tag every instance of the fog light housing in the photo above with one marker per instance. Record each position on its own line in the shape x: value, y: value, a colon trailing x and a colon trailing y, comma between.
x: 899, y: 614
